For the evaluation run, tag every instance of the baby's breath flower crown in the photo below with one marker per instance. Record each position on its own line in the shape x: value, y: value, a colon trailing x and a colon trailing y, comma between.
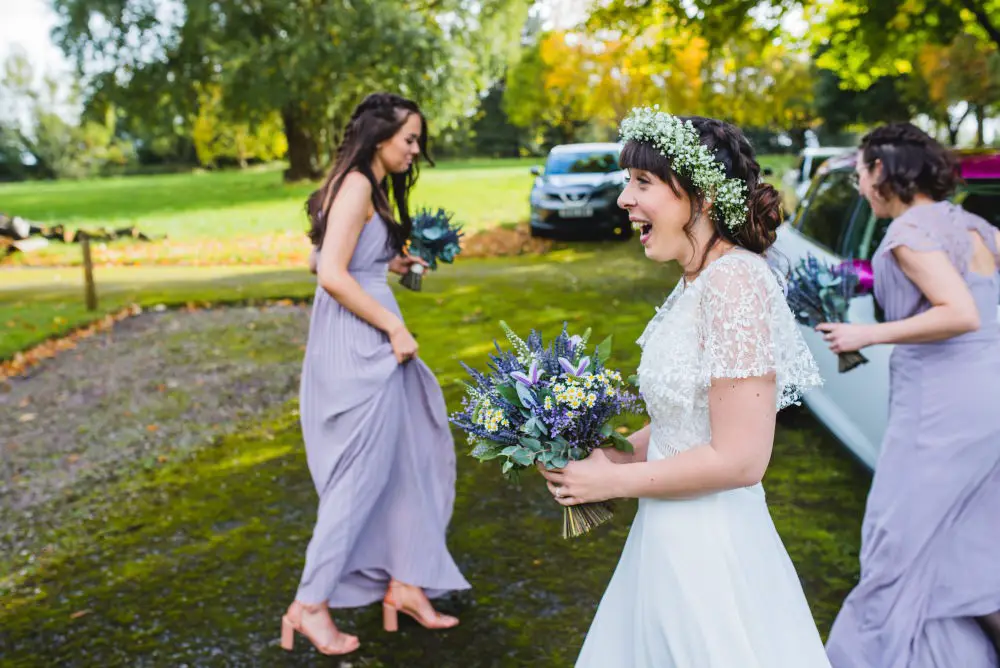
x: 679, y: 141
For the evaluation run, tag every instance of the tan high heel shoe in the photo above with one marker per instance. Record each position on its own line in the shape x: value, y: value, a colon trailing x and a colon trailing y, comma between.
x: 291, y: 623
x: 391, y: 610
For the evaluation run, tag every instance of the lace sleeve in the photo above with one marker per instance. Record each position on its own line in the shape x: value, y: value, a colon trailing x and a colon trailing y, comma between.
x: 748, y: 330
x: 736, y: 336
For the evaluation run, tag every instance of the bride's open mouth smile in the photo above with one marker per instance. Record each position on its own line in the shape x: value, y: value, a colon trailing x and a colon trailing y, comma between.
x: 644, y: 228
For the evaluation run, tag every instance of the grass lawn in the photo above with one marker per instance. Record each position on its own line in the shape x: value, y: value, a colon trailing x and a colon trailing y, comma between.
x: 229, y: 204
x: 37, y: 304
x: 196, y: 559
x: 251, y: 216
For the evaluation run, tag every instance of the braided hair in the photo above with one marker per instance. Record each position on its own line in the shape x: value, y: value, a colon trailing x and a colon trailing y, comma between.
x: 375, y: 120
x: 912, y: 162
x: 733, y: 151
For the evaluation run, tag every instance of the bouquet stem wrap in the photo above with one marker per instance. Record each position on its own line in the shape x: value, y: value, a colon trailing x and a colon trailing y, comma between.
x: 578, y: 520
x: 414, y: 278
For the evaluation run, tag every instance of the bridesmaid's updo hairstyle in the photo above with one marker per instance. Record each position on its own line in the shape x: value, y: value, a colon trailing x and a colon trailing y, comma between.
x: 912, y: 162
x: 377, y: 119
x: 734, y: 152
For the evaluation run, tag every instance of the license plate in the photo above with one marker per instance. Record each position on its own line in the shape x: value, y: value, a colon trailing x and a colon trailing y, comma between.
x: 577, y: 212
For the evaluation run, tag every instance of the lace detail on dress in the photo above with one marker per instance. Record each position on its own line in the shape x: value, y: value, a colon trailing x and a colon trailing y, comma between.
x: 661, y: 311
x: 731, y: 322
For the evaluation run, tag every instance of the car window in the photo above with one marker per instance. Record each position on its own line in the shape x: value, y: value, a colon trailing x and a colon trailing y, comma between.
x: 829, y: 211
x: 983, y: 199
x: 582, y: 163
x: 817, y: 161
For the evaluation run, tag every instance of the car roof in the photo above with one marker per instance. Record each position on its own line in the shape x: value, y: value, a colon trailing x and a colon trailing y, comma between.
x: 826, y: 150
x: 972, y: 163
x: 593, y: 146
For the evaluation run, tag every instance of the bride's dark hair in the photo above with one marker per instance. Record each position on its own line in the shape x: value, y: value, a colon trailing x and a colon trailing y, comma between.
x: 375, y: 120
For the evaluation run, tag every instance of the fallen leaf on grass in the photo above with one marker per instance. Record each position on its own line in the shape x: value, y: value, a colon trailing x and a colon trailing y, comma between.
x: 22, y: 361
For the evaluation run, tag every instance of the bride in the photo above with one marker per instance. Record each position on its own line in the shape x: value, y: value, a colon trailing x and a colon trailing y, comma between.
x: 704, y: 580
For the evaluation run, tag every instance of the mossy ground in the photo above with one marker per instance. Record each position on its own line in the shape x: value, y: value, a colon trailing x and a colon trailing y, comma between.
x: 193, y: 562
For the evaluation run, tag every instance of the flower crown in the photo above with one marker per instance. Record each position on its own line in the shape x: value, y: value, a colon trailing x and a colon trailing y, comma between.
x: 679, y: 141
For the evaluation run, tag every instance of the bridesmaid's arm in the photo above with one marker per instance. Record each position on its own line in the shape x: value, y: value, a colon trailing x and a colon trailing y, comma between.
x: 344, y: 223
x: 953, y: 311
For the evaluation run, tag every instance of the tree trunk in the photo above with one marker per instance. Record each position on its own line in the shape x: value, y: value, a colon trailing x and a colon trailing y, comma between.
x: 301, y: 145
x: 980, y: 122
x: 955, y: 125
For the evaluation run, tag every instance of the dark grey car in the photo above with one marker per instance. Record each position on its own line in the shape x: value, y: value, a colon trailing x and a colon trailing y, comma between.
x: 576, y: 194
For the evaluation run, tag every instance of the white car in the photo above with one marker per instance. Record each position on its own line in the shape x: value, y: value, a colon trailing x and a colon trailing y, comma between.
x: 798, y: 179
x: 833, y: 223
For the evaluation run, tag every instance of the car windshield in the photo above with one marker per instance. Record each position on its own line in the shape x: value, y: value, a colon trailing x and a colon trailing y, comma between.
x: 983, y: 199
x: 589, y: 162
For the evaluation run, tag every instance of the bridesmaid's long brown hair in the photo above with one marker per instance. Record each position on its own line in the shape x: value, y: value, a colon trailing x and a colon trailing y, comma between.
x: 375, y: 120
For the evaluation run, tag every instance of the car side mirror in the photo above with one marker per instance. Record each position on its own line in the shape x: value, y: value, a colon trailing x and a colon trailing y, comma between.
x: 536, y: 170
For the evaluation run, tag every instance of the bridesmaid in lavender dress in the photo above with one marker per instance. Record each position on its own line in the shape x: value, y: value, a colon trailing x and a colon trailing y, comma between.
x: 929, y: 594
x: 374, y: 420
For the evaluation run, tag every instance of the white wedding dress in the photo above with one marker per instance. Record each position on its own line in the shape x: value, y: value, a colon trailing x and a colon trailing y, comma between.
x: 706, y: 582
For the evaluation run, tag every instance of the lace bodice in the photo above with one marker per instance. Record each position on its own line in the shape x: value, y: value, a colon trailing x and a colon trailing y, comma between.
x: 730, y: 322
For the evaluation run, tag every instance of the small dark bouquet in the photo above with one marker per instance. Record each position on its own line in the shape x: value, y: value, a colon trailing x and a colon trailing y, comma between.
x: 819, y: 293
x: 433, y: 238
x: 549, y: 404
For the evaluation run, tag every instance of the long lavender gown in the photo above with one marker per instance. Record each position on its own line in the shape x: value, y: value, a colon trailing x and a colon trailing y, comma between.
x: 930, y: 552
x: 379, y: 449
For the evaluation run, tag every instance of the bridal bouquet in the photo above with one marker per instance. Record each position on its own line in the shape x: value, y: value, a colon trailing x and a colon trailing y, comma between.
x: 546, y: 403
x: 433, y: 238
x: 818, y: 293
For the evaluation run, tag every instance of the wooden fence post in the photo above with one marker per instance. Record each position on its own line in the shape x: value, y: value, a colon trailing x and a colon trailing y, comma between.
x: 88, y: 274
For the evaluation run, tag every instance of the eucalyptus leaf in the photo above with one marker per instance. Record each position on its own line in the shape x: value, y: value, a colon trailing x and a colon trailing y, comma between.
x: 523, y: 457
x: 621, y: 443
x: 532, y: 444
x: 509, y: 393
x: 525, y: 395
x: 603, y: 350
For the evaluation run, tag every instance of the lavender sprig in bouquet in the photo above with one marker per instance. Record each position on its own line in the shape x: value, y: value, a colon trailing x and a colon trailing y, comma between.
x: 550, y: 404
x: 433, y: 238
x: 819, y: 293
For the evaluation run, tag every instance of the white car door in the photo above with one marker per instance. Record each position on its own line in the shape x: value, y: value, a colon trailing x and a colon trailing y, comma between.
x: 853, y: 405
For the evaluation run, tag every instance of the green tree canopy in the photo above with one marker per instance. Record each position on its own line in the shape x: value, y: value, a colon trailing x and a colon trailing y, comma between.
x: 310, y: 61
